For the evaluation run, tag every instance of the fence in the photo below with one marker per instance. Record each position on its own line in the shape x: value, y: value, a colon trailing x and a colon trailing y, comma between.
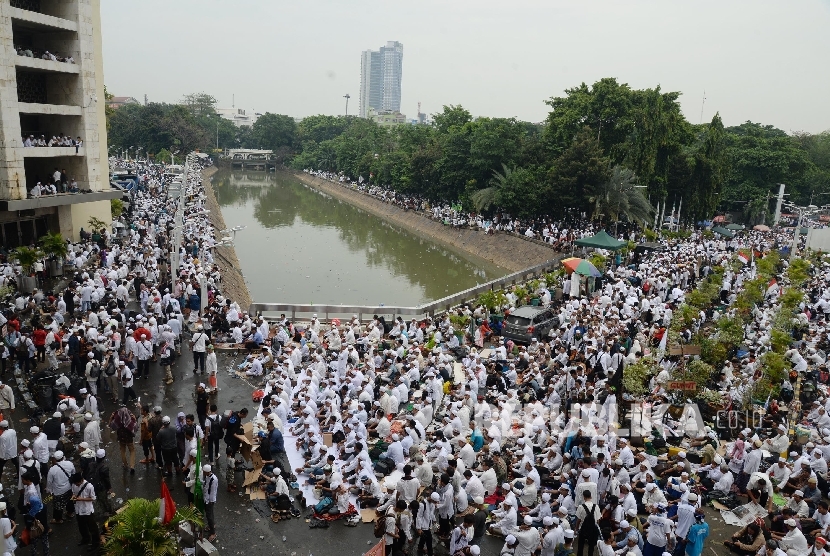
x: 305, y: 311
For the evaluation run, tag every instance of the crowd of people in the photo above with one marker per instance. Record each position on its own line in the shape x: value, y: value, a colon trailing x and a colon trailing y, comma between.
x: 59, y: 140
x: 449, y: 435
x: 30, y: 52
x: 559, y: 234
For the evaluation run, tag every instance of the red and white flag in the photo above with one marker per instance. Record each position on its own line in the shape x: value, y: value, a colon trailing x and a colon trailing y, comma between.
x: 167, y: 506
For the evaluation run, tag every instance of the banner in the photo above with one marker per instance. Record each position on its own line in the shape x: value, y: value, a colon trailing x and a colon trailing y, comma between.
x: 377, y: 550
x: 198, y: 494
x: 167, y: 507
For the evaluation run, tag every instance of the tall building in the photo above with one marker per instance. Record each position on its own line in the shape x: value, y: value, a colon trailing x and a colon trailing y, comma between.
x: 380, y: 78
x: 51, y: 84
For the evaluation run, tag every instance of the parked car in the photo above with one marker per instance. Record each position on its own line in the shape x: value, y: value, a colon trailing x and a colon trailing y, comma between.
x: 528, y: 322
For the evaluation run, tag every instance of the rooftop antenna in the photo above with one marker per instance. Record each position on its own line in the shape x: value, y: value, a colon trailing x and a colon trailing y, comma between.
x: 702, y: 104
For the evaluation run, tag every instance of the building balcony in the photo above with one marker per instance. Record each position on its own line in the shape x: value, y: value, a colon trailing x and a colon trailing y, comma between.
x: 49, y: 152
x: 60, y: 199
x: 47, y: 66
x: 41, y: 22
x: 49, y: 109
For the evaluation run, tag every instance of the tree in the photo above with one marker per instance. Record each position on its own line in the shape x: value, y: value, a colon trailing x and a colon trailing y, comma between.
x: 199, y: 104
x: 320, y: 128
x: 604, y: 108
x: 759, y: 158
x: 163, y: 157
x: 108, y: 110
x: 274, y: 131
x: 581, y: 168
x: 619, y: 197
x: 756, y: 210
x: 451, y: 116
x: 483, y: 199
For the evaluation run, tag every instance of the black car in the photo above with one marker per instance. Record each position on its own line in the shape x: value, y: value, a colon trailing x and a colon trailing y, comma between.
x: 528, y: 322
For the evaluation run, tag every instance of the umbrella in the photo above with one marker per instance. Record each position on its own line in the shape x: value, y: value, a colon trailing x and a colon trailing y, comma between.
x: 601, y: 240
x: 582, y: 267
x: 761, y: 228
x: 723, y: 231
x: 571, y: 263
x: 141, y: 330
x: 734, y: 227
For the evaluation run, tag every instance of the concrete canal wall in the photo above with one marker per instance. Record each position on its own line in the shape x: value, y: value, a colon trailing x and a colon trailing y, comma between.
x: 233, y: 283
x: 507, y: 251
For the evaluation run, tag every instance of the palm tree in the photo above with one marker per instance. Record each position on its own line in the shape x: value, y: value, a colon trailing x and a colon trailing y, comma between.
x: 755, y: 211
x: 485, y: 198
x: 620, y: 197
x: 327, y: 160
x: 137, y: 531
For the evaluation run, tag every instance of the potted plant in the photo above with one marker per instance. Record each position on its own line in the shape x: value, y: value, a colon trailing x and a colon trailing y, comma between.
x: 27, y: 256
x: 136, y: 530
x: 55, y: 248
x: 521, y: 294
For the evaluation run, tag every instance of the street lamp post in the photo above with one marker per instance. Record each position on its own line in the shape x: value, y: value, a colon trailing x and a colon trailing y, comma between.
x: 347, y: 97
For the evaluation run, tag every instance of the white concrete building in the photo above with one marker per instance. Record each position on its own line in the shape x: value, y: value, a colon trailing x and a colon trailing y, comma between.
x: 51, y: 84
x: 238, y: 116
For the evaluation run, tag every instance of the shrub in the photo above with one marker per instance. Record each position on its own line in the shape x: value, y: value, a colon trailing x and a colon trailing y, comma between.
x: 492, y: 300
x: 798, y: 271
x: 713, y: 352
x: 636, y: 376
x: 116, y: 207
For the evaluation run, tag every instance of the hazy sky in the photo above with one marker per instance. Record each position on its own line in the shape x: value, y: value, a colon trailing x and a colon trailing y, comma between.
x: 759, y: 60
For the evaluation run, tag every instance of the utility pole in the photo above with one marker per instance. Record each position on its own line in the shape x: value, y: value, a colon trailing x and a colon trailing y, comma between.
x: 777, y: 216
x: 347, y: 97
x: 702, y: 104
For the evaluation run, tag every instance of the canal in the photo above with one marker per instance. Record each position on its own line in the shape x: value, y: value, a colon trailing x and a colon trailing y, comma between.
x: 302, y: 246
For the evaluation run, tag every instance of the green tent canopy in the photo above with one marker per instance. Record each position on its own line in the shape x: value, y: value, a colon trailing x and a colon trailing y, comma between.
x: 601, y: 241
x: 735, y: 227
x: 723, y: 231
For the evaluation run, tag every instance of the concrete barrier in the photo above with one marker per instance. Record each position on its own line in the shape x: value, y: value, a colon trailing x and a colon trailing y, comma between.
x: 510, y: 252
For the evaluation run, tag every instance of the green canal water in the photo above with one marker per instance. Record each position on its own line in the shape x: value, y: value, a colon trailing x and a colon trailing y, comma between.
x: 302, y: 246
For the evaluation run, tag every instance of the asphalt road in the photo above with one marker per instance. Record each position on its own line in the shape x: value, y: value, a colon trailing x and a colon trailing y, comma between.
x: 243, y: 526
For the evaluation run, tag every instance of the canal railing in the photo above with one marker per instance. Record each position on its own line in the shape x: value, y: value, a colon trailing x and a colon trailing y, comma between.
x: 305, y: 311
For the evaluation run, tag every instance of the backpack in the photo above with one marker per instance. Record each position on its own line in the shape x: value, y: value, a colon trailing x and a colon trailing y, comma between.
x: 589, y: 526
x: 323, y: 505
x: 215, y: 427
x: 110, y: 369
x: 380, y: 527
x: 95, y: 372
